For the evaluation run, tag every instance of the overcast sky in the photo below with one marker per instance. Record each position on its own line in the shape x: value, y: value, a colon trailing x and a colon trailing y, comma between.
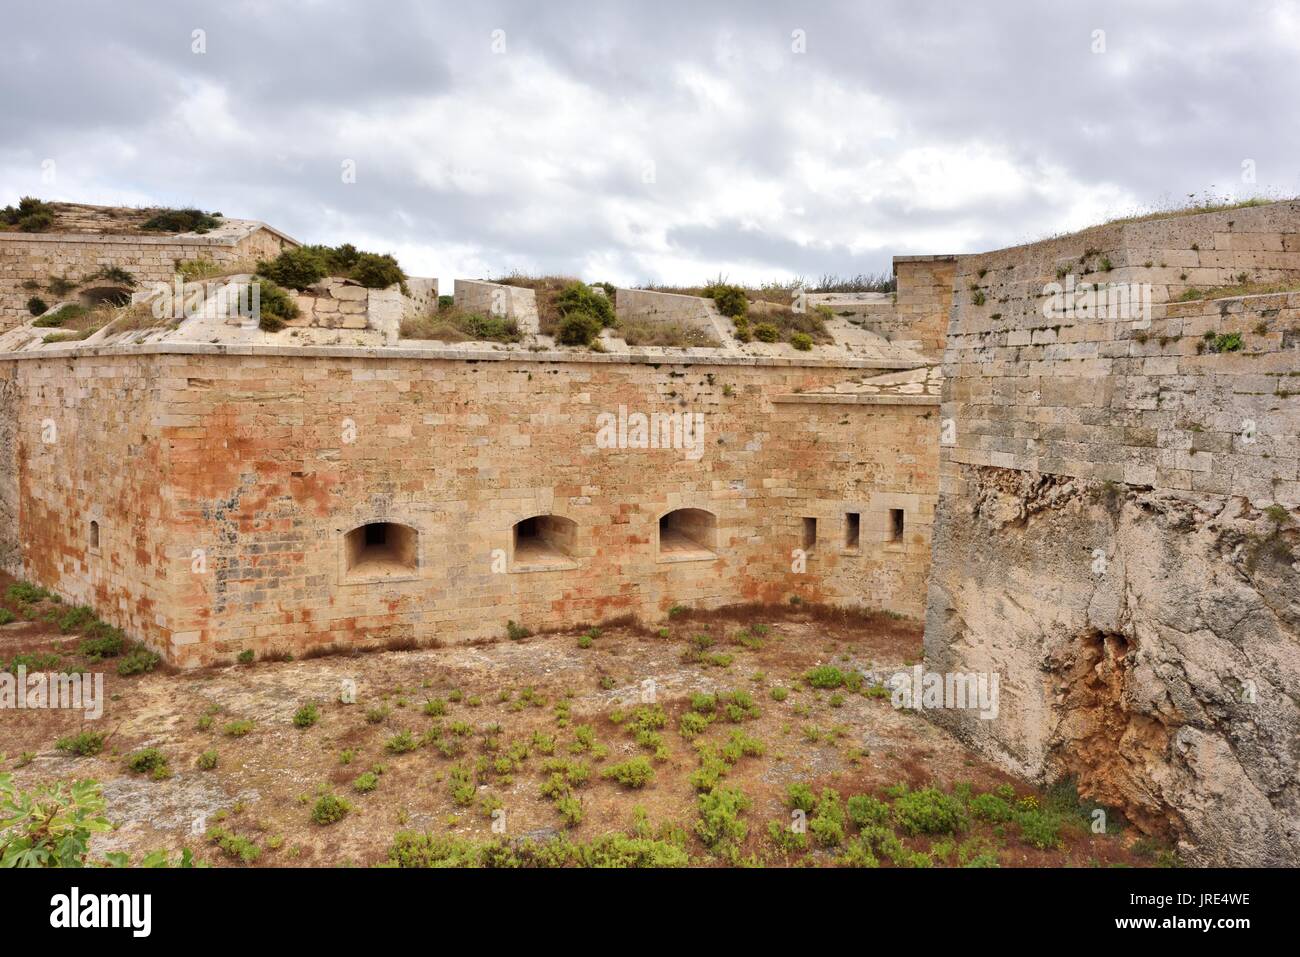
x: 670, y: 142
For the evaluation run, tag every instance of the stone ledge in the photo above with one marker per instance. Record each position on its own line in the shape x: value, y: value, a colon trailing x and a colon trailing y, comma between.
x: 827, y: 398
x: 715, y: 358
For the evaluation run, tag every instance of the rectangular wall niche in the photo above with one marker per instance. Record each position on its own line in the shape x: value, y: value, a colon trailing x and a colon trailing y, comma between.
x: 852, y: 529
x: 809, y: 534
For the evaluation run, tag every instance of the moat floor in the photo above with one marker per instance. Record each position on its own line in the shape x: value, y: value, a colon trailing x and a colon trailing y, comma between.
x: 511, y: 708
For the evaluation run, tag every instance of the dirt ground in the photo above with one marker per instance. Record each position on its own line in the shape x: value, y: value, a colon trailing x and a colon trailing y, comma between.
x: 498, y: 696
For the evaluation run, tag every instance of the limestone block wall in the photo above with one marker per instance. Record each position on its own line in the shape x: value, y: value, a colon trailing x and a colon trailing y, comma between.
x: 263, y: 463
x: 336, y: 304
x: 81, y: 442
x: 923, y: 301
x: 1117, y: 534
x: 421, y: 297
x: 497, y: 299
x: 28, y: 261
x: 649, y: 306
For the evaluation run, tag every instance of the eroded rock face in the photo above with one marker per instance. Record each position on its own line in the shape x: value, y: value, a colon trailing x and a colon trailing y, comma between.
x: 1148, y: 645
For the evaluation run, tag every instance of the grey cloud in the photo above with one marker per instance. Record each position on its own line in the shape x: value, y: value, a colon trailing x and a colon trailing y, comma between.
x: 1184, y: 94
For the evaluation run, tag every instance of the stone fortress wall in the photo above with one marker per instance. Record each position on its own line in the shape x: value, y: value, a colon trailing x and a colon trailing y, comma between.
x: 30, y: 263
x: 260, y: 467
x: 1102, y: 511
x: 1116, y: 534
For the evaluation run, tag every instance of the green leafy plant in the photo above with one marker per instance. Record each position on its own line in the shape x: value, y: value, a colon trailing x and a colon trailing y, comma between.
x: 731, y: 301
x: 633, y: 773
x: 51, y: 825
x: 275, y: 307
x: 329, y: 809
x: 149, y: 761
x: 138, y: 660
x: 720, y: 825
x: 182, y: 221
x: 307, y: 715
x: 825, y: 676
x: 83, y: 743
x: 578, y: 329
x: 929, y: 811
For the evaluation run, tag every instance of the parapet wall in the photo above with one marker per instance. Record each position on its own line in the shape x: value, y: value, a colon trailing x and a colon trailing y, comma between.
x: 1116, y: 532
x: 29, y: 261
x: 247, y: 473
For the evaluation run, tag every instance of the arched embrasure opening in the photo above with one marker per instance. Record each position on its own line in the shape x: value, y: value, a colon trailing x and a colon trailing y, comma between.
x: 688, y: 534
x: 105, y: 296
x: 543, y: 541
x: 381, y: 550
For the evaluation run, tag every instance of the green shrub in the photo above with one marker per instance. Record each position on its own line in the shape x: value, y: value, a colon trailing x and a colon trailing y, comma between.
x: 245, y: 657
x: 232, y: 845
x: 516, y: 632
x: 720, y: 825
x: 578, y: 329
x: 376, y: 271
x: 275, y: 307
x: 295, y: 268
x: 137, y: 661
x: 207, y: 760
x: 238, y: 729
x: 83, y: 744
x: 766, y: 332
x: 929, y: 811
x: 76, y: 618
x: 827, y: 823
x: 435, y: 707
x: 328, y: 809
x: 402, y: 742
x: 692, y: 724
x: 307, y: 715
x: 990, y: 807
x: 105, y: 641
x: 52, y: 320
x: 461, y: 783
x: 799, y: 796
x: 577, y: 298
x: 149, y: 761
x: 570, y: 810
x: 27, y: 593
x: 633, y: 773
x: 786, y: 838
x: 801, y: 341
x: 1226, y: 342
x: 866, y: 811
x: 739, y: 706
x: 825, y: 676
x: 730, y: 300
x: 31, y: 215
x: 182, y: 221
x: 1039, y: 828
x: 7, y: 617
x: 365, y: 783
